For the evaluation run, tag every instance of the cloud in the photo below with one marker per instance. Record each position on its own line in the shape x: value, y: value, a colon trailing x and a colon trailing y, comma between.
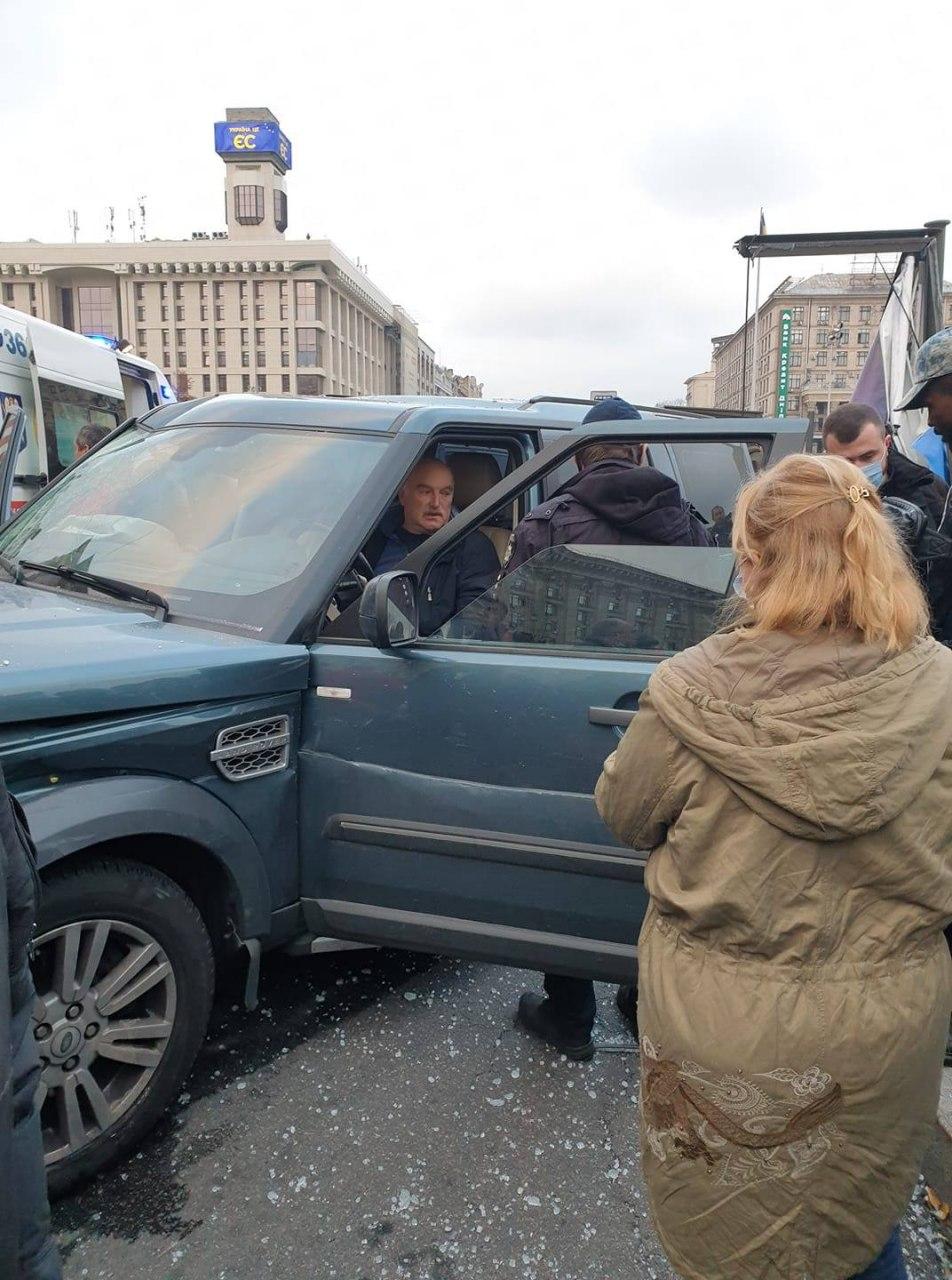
x: 724, y: 168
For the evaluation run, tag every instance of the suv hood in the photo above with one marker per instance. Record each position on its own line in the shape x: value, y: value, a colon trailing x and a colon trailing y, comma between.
x: 60, y: 656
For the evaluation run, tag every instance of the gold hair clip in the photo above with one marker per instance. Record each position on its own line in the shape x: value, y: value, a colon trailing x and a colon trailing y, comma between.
x: 856, y: 494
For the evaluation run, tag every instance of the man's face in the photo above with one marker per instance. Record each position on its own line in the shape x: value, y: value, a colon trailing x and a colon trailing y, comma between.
x: 938, y: 398
x: 871, y: 445
x: 426, y: 497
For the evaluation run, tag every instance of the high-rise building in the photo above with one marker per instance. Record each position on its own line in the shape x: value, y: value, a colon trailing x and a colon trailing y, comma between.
x: 238, y: 310
x: 820, y: 328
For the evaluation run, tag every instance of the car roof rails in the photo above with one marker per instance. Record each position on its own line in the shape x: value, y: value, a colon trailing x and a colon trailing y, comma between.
x: 667, y: 410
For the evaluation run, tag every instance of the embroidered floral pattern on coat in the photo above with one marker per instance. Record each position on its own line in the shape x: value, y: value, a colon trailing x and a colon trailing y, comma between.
x: 742, y: 1133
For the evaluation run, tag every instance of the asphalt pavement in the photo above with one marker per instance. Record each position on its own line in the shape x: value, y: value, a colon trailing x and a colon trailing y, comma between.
x: 380, y: 1118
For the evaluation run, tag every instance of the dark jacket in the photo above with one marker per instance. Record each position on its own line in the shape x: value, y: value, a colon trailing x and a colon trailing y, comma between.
x: 27, y: 1251
x: 456, y: 580
x: 906, y: 479
x: 610, y: 503
x: 930, y: 546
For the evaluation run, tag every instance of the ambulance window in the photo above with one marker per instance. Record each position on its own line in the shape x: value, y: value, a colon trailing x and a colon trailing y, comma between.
x: 66, y: 410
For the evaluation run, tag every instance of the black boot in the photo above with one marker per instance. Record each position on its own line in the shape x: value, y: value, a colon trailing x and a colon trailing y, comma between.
x: 626, y: 998
x: 535, y: 1014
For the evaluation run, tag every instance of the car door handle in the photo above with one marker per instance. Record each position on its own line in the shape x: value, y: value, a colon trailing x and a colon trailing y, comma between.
x: 610, y: 715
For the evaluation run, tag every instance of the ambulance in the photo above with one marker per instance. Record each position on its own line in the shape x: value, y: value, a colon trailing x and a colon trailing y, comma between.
x: 64, y: 381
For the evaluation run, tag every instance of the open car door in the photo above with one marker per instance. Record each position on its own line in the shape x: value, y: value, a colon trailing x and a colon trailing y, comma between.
x: 12, y: 441
x: 447, y: 786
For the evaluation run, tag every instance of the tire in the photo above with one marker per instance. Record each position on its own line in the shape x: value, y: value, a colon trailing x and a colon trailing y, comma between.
x: 125, y: 974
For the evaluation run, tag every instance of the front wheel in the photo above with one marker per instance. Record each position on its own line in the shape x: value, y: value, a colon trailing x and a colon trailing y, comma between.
x: 124, y: 976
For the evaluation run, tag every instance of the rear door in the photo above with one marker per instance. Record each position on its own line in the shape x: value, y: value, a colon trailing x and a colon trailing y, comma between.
x: 448, y: 786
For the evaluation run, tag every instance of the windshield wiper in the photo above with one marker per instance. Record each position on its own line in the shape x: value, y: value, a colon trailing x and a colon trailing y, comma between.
x: 109, y: 586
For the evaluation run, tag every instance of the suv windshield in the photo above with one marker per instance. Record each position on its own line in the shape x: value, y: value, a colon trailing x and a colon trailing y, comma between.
x: 219, y: 520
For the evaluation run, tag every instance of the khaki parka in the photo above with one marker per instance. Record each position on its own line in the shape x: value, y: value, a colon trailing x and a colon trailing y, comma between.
x: 794, y: 982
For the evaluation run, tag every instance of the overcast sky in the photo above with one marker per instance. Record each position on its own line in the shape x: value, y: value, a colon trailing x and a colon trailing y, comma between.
x: 552, y: 190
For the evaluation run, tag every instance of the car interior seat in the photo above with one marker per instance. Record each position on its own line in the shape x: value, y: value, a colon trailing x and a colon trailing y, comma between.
x: 473, y: 475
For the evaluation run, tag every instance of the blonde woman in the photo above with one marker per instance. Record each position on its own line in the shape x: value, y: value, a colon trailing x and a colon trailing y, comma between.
x: 793, y: 777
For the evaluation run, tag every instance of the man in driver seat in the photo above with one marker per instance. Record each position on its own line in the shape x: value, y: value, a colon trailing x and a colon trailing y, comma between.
x: 458, y: 578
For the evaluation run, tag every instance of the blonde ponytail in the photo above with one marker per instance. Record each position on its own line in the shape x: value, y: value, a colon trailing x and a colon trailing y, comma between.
x: 820, y: 554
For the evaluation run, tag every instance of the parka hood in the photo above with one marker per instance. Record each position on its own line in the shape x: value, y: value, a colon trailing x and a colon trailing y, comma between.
x: 824, y: 738
x: 638, y: 501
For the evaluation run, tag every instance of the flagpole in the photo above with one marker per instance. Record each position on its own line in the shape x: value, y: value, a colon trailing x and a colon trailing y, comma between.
x: 755, y: 363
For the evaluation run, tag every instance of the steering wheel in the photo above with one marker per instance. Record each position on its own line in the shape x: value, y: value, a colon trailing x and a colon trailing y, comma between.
x: 353, y: 582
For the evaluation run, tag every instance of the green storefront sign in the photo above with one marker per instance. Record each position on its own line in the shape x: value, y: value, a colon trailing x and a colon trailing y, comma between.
x: 783, y: 372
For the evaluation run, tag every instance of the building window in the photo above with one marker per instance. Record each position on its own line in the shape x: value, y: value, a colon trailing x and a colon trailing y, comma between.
x: 180, y: 357
x: 823, y: 315
x: 96, y: 310
x: 259, y: 337
x: 861, y: 357
x: 259, y: 311
x: 244, y: 337
x: 862, y: 338
x: 220, y: 359
x: 206, y: 359
x: 216, y: 290
x: 839, y: 381
x: 310, y: 384
x: 243, y: 311
x: 821, y: 358
x: 307, y: 349
x: 245, y: 360
x: 840, y: 358
x: 242, y: 289
x: 165, y: 313
x: 206, y: 382
x: 285, y: 382
x: 865, y: 315
x: 165, y: 337
x: 795, y: 381
x: 796, y: 359
x: 796, y: 337
x: 163, y: 291
x: 140, y: 337
x: 166, y: 360
x: 284, y: 337
x: 140, y: 292
x: 249, y: 205
x: 305, y: 299
x: 140, y: 314
x: 280, y: 210
x: 822, y: 337
x: 202, y: 291
x: 204, y: 337
x: 246, y: 382
x: 796, y: 315
x: 260, y: 359
x: 33, y: 293
x: 844, y: 313
x: 222, y: 382
x: 180, y: 313
x: 283, y: 290
x: 284, y: 311
x: 257, y: 289
x: 219, y: 337
x: 219, y: 312
x: 285, y: 359
x: 177, y: 290
x: 262, y: 382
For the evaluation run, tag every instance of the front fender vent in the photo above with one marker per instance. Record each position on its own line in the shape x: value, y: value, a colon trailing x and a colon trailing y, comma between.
x: 247, y: 751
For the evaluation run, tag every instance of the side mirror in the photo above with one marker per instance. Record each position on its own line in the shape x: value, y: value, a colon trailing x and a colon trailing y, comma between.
x: 389, y: 610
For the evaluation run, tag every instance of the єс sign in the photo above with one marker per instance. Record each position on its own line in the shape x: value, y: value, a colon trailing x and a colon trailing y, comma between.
x: 252, y: 137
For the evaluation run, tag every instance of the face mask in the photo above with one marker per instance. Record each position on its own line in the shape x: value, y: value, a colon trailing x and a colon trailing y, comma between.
x: 873, y: 471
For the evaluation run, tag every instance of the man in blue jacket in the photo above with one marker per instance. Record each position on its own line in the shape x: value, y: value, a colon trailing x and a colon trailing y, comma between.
x: 27, y: 1250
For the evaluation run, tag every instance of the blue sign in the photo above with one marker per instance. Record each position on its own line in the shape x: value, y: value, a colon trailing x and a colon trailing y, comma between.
x: 251, y: 138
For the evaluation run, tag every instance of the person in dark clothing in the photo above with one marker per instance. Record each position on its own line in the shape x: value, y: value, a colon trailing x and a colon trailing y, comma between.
x: 722, y: 527
x: 458, y: 578
x: 856, y: 432
x: 27, y: 1249
x: 613, y: 500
